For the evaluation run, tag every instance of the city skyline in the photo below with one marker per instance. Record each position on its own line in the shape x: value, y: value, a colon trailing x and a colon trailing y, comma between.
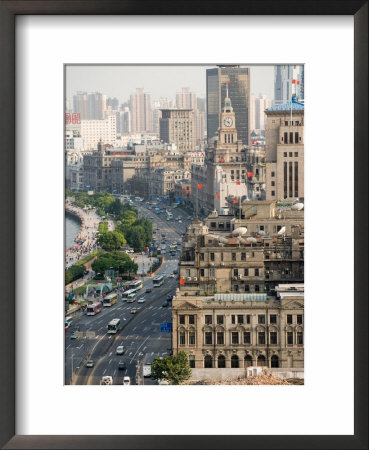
x: 161, y: 81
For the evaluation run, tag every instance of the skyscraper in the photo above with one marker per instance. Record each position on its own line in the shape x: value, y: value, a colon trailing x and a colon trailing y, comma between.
x: 239, y: 93
x: 91, y: 106
x: 141, y: 113
x: 177, y: 126
x: 283, y: 76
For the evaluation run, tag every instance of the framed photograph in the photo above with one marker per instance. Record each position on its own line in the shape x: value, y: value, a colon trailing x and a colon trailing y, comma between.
x: 68, y: 70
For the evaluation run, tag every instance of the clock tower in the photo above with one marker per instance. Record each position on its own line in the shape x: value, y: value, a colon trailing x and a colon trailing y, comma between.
x: 227, y: 130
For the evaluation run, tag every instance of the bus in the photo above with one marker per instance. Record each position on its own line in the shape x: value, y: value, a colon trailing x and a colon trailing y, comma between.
x: 136, y: 284
x: 114, y: 326
x: 110, y: 299
x: 126, y: 294
x: 158, y: 281
x: 94, y: 309
x: 169, y: 215
x: 68, y: 322
x: 131, y: 297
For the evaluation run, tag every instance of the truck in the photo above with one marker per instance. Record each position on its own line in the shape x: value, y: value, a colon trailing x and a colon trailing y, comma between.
x: 146, y: 370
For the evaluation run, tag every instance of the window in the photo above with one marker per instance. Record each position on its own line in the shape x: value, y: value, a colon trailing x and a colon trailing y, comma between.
x: 289, y: 338
x: 182, y: 338
x: 213, y: 225
x: 291, y: 138
x: 212, y: 257
x: 234, y: 337
x: 192, y: 361
x: 235, y: 272
x: 220, y: 338
x: 286, y: 123
x: 233, y: 256
x: 299, y: 319
x: 285, y: 139
x: 191, y: 336
x: 290, y: 154
x: 296, y: 137
x: 256, y: 272
x: 233, y: 318
x: 247, y: 288
x: 273, y: 338
x: 182, y: 320
x: 247, y: 337
x: 191, y: 320
x: 296, y: 154
x: 300, y: 338
x: 272, y: 183
x: 289, y: 318
x: 208, y: 337
x: 248, y: 318
x: 285, y: 154
x: 273, y: 193
x: 208, y: 319
x: 246, y: 272
x: 235, y: 288
x: 202, y: 272
x: 243, y: 256
x: 220, y: 320
x: 257, y: 288
x: 202, y: 257
x: 261, y: 338
x: 273, y: 174
x: 261, y: 318
x: 240, y: 318
x: 273, y: 318
x: 212, y: 272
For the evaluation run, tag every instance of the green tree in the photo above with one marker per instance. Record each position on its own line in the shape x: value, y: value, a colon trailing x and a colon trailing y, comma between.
x: 136, y: 238
x: 174, y: 368
x: 111, y: 240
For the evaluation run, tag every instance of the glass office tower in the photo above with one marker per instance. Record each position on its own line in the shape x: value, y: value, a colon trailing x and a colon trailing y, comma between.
x: 239, y: 93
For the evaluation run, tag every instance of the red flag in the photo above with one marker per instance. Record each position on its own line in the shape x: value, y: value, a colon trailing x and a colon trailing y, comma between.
x: 238, y: 182
x: 293, y: 81
x: 298, y: 82
x: 217, y: 195
x: 228, y: 82
x: 181, y: 281
x: 235, y: 201
x: 222, y: 160
x: 249, y: 174
x: 199, y: 186
x: 253, y: 142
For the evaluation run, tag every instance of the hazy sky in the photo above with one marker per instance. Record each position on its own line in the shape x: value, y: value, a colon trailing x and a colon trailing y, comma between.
x: 160, y: 81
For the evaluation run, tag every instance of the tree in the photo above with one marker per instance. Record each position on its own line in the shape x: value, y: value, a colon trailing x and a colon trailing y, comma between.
x: 174, y: 368
x: 136, y: 238
x: 111, y: 240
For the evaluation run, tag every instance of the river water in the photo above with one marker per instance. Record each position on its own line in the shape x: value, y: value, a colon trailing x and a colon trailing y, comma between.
x: 72, y: 226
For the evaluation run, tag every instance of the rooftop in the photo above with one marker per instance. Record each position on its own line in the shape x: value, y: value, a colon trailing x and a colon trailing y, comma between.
x: 294, y: 105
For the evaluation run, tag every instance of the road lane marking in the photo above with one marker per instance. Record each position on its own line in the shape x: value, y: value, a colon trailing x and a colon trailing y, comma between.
x: 110, y: 361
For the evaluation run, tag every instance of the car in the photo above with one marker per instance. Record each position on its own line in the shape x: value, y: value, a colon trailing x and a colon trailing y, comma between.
x: 89, y: 363
x: 134, y: 310
x: 163, y: 273
x: 171, y: 275
x: 120, y: 350
x: 126, y: 381
x: 141, y: 300
x: 148, y: 290
x: 73, y: 335
x: 175, y: 271
x: 165, y: 304
x: 121, y: 365
x: 179, y: 221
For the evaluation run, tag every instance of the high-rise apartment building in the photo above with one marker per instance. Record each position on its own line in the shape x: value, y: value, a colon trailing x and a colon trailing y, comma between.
x: 258, y: 105
x: 141, y: 112
x: 91, y: 106
x: 177, y: 126
x: 92, y: 131
x: 283, y: 86
x: 188, y: 100
x: 239, y: 93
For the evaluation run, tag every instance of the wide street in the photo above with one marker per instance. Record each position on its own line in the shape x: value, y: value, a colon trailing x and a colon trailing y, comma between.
x: 140, y: 333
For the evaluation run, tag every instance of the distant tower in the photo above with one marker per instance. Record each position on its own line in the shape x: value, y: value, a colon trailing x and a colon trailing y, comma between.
x: 141, y: 112
x: 283, y: 76
x: 239, y: 93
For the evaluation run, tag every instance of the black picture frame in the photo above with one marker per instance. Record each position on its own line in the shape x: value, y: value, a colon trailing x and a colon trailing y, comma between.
x: 8, y: 12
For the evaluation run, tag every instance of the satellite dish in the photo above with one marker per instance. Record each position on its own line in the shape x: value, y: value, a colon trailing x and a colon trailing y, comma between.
x: 239, y: 231
x: 223, y: 240
x: 297, y: 206
x: 240, y: 240
x: 252, y: 240
x: 261, y: 232
x: 281, y: 231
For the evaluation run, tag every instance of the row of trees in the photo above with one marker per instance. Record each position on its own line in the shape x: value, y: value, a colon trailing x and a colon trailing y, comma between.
x: 115, y: 260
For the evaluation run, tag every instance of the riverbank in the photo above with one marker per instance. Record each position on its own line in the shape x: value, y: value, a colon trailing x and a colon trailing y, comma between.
x: 85, y: 241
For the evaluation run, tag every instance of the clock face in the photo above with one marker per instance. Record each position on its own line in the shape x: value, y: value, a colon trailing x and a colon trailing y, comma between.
x: 228, y: 121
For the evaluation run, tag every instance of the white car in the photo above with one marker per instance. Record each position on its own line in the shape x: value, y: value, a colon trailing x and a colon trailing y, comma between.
x: 179, y: 221
x: 126, y: 381
x: 120, y: 350
x: 171, y: 275
x: 141, y: 300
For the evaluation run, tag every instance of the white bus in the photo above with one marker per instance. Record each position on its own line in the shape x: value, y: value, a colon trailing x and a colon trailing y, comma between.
x: 110, y: 299
x: 126, y: 294
x: 131, y: 297
x: 114, y: 326
x: 158, y: 281
x: 136, y: 284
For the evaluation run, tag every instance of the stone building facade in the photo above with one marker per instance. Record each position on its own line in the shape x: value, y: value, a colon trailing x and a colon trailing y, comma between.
x: 235, y: 330
x: 177, y: 126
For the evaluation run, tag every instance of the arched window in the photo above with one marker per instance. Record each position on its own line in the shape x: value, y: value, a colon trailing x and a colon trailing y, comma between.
x: 234, y: 362
x: 208, y: 362
x: 248, y: 361
x: 261, y: 361
x: 221, y: 362
x: 274, y: 361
